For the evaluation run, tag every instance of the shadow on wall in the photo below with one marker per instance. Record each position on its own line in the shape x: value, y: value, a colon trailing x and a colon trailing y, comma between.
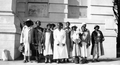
x: 6, y: 56
x: 17, y: 31
x: 17, y: 38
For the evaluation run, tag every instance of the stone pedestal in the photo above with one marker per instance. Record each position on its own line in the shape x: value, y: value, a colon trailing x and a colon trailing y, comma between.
x: 9, y: 29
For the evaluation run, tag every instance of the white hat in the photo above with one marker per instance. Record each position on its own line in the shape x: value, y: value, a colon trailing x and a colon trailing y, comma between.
x: 28, y: 19
x: 83, y: 23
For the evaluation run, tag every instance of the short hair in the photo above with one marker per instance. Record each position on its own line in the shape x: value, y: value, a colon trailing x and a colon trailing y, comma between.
x: 60, y: 23
x: 37, y: 22
x: 68, y: 22
x: 74, y: 27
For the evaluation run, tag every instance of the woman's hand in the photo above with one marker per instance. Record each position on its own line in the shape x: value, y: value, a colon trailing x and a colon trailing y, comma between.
x: 58, y: 44
x: 63, y: 44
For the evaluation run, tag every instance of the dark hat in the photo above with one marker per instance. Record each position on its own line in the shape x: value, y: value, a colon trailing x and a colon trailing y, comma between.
x: 29, y: 23
x: 53, y: 25
x: 97, y: 26
x: 48, y: 24
x: 74, y: 26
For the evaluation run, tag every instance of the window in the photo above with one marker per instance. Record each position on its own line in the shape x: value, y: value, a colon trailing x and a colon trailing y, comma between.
x: 37, y: 8
x: 77, y: 8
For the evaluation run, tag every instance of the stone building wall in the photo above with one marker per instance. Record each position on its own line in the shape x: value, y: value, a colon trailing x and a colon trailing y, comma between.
x: 90, y: 11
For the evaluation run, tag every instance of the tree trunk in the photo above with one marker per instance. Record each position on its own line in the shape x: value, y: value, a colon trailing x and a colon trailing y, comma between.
x: 118, y: 38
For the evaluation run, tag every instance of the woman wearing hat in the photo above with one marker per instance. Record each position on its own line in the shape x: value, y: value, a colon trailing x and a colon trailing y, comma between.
x: 60, y: 48
x: 48, y: 51
x: 85, y: 42
x: 38, y: 41
x: 26, y: 40
x: 75, y: 38
x: 68, y: 39
x: 97, y: 39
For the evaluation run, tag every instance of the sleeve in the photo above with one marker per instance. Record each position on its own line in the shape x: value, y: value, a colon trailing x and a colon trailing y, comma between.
x: 92, y: 37
x: 43, y: 35
x: 34, y: 35
x: 32, y: 38
x: 55, y: 36
x: 22, y: 36
x: 71, y: 36
x: 64, y: 37
x: 43, y: 39
x: 89, y: 37
x: 102, y: 36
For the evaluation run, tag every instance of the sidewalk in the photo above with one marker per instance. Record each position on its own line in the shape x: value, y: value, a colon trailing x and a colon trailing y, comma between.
x: 102, y: 62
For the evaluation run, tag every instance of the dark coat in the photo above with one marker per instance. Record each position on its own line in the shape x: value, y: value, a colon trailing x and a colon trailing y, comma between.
x: 94, y: 39
x: 38, y: 39
x: 68, y: 39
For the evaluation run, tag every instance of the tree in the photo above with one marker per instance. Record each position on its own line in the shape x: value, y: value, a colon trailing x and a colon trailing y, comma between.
x: 116, y: 10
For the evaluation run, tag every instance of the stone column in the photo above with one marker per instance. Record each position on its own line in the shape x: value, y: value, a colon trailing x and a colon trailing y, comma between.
x: 9, y: 29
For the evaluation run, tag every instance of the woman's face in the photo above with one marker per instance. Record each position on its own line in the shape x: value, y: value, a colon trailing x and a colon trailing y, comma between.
x: 67, y: 24
x: 96, y: 28
x: 74, y: 28
x: 82, y: 28
x: 59, y: 26
x: 48, y: 27
x: 38, y: 23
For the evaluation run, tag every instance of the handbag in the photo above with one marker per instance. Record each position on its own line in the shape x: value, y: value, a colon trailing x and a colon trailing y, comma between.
x: 21, y: 48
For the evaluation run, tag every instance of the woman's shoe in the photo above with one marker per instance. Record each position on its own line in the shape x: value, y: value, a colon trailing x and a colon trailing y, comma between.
x: 93, y: 60
x: 49, y: 61
x: 24, y: 61
x: 97, y: 60
x: 46, y: 61
x: 29, y: 61
x: 57, y: 61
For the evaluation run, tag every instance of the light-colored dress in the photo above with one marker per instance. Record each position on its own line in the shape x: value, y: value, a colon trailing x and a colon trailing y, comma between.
x: 48, y: 49
x: 76, y: 43
x: 60, y: 51
x: 85, y: 41
x: 26, y: 40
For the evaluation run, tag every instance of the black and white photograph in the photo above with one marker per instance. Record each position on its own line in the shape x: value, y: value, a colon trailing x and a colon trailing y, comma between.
x: 59, y: 32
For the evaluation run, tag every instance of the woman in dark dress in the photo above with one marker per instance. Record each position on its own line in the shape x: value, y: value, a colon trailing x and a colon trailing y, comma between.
x: 68, y: 39
x: 38, y: 41
x: 97, y: 46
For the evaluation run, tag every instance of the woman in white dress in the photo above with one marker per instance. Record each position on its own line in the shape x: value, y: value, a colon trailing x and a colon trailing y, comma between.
x: 75, y: 37
x: 26, y: 39
x: 60, y: 47
x: 48, y: 45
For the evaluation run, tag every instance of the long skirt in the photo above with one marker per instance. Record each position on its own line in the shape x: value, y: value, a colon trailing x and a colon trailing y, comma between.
x: 84, y: 49
x: 27, y: 51
x: 60, y: 52
x: 68, y: 42
x: 40, y: 48
x: 76, y: 50
x: 97, y: 49
x: 48, y: 49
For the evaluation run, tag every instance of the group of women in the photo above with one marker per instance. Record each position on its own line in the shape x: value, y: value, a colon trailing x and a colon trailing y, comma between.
x: 60, y: 43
